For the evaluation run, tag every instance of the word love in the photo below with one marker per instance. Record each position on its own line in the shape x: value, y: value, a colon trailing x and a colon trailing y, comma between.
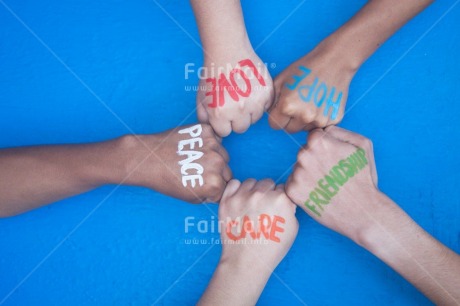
x: 222, y: 84
x: 267, y: 227
x: 319, y: 93
x: 329, y: 186
x: 191, y: 171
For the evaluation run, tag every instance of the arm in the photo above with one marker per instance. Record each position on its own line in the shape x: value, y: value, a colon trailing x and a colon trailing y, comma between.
x: 335, y: 182
x: 236, y: 88
x: 188, y: 163
x: 426, y: 263
x: 233, y: 284
x: 257, y: 227
x: 363, y: 34
x: 33, y: 176
x: 221, y: 26
x: 312, y: 92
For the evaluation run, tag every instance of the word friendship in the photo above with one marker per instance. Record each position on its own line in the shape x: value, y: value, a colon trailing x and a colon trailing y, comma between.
x: 329, y: 186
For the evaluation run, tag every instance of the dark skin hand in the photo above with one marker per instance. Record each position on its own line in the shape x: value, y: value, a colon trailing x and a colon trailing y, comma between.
x: 31, y: 177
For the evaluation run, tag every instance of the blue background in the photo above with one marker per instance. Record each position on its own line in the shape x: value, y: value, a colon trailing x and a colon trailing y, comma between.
x: 63, y: 60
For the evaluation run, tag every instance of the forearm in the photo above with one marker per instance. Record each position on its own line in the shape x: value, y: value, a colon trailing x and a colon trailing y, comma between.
x: 33, y: 176
x: 398, y: 241
x: 235, y: 284
x: 362, y: 35
x: 221, y: 26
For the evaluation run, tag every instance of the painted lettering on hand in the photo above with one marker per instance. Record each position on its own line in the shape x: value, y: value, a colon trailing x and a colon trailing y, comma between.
x: 268, y: 226
x: 329, y: 185
x: 191, y: 170
x: 317, y: 93
x: 230, y: 85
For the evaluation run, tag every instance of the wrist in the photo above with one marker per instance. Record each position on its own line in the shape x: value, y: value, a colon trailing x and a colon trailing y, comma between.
x: 128, y: 154
x: 247, y: 264
x: 100, y: 163
x: 388, y: 230
x: 228, y: 49
x: 237, y: 275
x: 337, y: 51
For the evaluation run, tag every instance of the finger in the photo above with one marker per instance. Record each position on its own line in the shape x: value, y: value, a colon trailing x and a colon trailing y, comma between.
x: 227, y: 173
x: 276, y: 119
x: 231, y: 188
x: 358, y: 141
x: 241, y: 124
x: 221, y: 126
x: 280, y: 187
x: 248, y: 184
x: 265, y: 185
x: 295, y: 125
x: 222, y: 152
x: 202, y: 112
x: 256, y: 115
x: 217, y: 196
x: 346, y: 136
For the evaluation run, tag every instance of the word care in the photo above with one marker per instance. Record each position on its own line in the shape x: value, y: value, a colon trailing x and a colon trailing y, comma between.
x: 230, y: 85
x: 267, y: 227
x: 329, y: 186
x: 190, y: 169
x: 318, y: 93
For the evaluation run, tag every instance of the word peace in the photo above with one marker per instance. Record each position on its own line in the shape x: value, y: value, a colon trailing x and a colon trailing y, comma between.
x: 189, y: 163
x: 267, y: 226
x: 328, y: 186
x: 319, y: 94
x: 219, y: 86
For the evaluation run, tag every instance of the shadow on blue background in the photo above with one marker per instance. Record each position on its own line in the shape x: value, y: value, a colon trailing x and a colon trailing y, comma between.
x: 65, y: 59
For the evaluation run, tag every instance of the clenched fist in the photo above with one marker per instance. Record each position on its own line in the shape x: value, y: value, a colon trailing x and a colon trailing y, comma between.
x: 235, y: 93
x: 335, y: 180
x: 259, y: 223
x: 188, y: 163
x: 310, y: 93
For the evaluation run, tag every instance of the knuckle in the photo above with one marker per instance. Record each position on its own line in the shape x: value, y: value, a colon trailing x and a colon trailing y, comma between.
x: 215, y: 189
x: 315, y: 138
x: 308, y: 115
x: 287, y: 107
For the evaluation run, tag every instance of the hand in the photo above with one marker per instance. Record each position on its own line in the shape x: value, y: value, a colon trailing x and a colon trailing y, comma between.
x: 311, y: 93
x: 335, y: 181
x: 259, y: 224
x: 188, y: 163
x: 235, y: 92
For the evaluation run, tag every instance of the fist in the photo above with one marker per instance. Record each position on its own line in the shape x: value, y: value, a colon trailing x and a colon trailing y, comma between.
x: 234, y: 94
x: 310, y: 93
x: 335, y: 180
x: 258, y: 223
x: 188, y: 163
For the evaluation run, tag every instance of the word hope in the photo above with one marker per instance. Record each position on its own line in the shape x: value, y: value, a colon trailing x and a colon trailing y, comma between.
x: 319, y: 94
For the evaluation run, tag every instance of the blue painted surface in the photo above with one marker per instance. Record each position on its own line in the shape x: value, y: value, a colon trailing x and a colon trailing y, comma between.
x: 127, y: 246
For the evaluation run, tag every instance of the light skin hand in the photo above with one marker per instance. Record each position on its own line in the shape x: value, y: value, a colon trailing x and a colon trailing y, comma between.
x: 236, y: 88
x: 312, y: 92
x: 335, y: 182
x: 31, y: 177
x: 247, y: 262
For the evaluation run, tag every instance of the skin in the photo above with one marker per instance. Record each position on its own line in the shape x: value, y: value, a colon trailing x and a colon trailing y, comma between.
x: 225, y: 43
x: 31, y: 177
x: 245, y: 268
x: 362, y: 213
x: 336, y: 60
